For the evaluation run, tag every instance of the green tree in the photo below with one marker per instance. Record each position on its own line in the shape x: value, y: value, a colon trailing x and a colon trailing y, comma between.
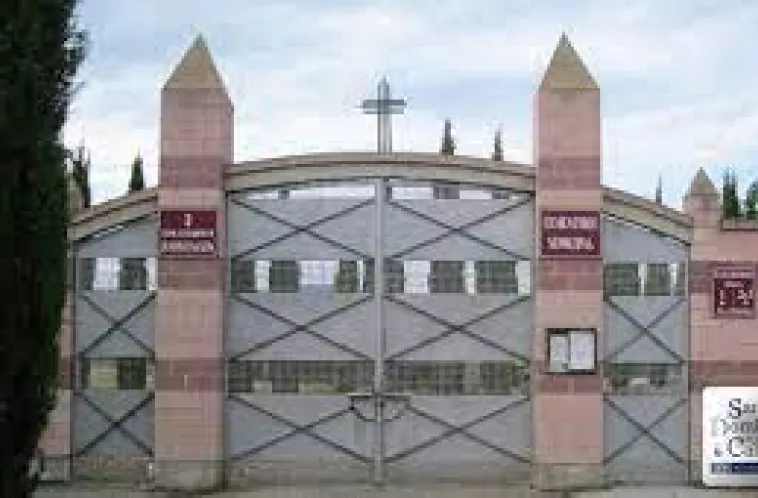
x: 497, y: 148
x: 41, y: 49
x: 659, y: 191
x: 81, y: 163
x: 751, y: 201
x: 137, y: 181
x: 133, y: 271
x: 447, y: 147
x: 730, y: 200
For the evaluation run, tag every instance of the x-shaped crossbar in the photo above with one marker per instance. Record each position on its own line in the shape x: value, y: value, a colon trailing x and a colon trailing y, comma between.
x: 307, y: 228
x: 644, y: 431
x: 116, y: 424
x: 451, y: 429
x: 645, y: 330
x: 118, y: 324
x: 304, y: 328
x: 462, y: 230
x: 306, y: 429
x: 451, y: 328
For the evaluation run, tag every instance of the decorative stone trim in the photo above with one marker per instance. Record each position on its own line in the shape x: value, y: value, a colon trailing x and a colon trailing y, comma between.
x: 739, y: 225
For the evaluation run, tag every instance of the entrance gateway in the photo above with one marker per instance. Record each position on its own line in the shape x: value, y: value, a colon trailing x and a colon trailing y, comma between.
x: 403, y: 370
x: 383, y: 317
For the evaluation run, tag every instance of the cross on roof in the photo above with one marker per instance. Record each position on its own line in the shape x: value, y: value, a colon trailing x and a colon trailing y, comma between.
x: 384, y: 106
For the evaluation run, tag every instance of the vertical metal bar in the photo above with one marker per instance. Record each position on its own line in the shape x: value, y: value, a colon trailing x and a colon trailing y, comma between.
x: 379, y: 123
x: 380, y: 346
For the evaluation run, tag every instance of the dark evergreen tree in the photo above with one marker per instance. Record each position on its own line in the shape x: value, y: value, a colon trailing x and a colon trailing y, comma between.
x: 81, y: 165
x: 133, y: 271
x: 751, y: 201
x: 137, y: 181
x: 730, y: 196
x: 659, y: 191
x: 497, y: 148
x: 448, y: 142
x: 41, y: 49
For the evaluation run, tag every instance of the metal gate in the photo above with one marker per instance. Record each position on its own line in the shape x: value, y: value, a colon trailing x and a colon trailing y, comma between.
x: 378, y: 329
x: 113, y: 403
x: 646, y: 420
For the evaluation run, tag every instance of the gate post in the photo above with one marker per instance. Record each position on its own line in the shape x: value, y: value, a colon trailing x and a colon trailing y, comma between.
x: 722, y: 336
x: 196, y: 144
x: 568, y: 407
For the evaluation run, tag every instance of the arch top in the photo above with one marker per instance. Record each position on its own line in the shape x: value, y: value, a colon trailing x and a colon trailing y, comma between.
x: 353, y: 165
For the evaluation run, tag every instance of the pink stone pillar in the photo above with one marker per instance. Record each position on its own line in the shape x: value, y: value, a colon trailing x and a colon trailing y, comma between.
x: 196, y: 144
x: 56, y: 440
x: 723, y: 351
x: 568, y: 408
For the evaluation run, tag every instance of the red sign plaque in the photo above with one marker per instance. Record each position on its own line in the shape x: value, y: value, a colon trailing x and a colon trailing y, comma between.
x: 734, y: 293
x: 188, y: 233
x: 570, y: 233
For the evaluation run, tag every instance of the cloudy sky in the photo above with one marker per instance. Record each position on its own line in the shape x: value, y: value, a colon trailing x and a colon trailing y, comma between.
x: 679, y: 80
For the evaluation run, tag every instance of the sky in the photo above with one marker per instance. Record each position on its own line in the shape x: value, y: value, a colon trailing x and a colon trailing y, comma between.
x: 679, y: 81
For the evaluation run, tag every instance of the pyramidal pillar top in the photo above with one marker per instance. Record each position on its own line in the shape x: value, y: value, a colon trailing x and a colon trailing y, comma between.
x: 196, y: 70
x: 567, y: 71
x: 196, y: 122
x: 567, y: 125
x: 702, y: 201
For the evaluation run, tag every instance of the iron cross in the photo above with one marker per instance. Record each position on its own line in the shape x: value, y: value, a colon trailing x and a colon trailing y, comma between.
x: 384, y: 106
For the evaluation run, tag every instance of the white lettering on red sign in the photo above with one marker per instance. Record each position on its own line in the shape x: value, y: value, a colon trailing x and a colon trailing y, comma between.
x: 570, y: 223
x: 191, y: 233
x: 188, y: 246
x: 574, y: 244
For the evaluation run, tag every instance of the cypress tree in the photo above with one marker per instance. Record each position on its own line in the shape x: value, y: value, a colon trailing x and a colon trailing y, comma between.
x: 497, y: 148
x: 133, y: 271
x: 447, y: 147
x: 137, y: 181
x: 730, y: 197
x: 751, y: 201
x: 81, y: 166
x: 659, y: 191
x: 41, y: 49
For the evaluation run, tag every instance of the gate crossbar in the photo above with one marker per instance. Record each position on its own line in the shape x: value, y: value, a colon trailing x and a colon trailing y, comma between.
x: 117, y: 324
x: 460, y: 230
x: 306, y: 429
x: 116, y: 424
x: 644, y: 431
x: 645, y: 330
x: 307, y: 228
x: 451, y: 328
x: 306, y: 327
x: 451, y: 429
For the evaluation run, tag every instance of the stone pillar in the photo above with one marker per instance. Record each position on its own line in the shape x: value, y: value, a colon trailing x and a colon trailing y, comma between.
x: 568, y: 408
x: 723, y: 351
x: 196, y: 144
x: 56, y: 440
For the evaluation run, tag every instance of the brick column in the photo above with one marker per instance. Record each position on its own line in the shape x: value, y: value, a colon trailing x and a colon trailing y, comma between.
x: 56, y: 440
x: 568, y: 409
x: 723, y: 351
x: 196, y: 143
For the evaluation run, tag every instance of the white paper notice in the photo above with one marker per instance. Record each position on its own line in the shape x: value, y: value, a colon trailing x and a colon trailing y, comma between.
x: 559, y: 354
x: 582, y: 352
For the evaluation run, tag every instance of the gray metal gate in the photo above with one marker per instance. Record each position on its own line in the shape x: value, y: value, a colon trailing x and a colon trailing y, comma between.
x: 647, y: 345
x: 113, y: 404
x: 375, y: 334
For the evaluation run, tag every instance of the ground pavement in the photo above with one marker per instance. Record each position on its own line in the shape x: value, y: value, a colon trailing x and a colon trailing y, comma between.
x: 403, y: 492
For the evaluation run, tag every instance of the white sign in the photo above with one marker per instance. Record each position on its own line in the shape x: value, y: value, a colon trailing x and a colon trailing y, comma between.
x: 730, y: 436
x: 582, y: 350
x: 559, y: 353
